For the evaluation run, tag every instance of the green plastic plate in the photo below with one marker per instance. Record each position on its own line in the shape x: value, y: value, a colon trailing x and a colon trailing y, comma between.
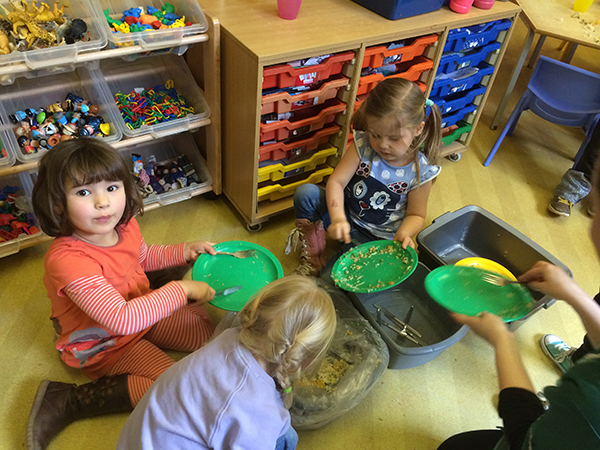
x: 374, y: 266
x: 463, y: 290
x: 223, y: 271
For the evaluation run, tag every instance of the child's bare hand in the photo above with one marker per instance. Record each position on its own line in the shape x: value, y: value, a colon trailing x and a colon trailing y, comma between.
x: 197, y: 291
x: 340, y: 230
x: 194, y: 249
x: 487, y: 325
x: 551, y: 280
x: 406, y: 240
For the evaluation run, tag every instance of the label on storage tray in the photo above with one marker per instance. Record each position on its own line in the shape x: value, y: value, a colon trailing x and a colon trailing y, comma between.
x: 308, y: 78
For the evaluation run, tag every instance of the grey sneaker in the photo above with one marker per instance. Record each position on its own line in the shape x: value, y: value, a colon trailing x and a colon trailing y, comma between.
x: 560, y: 206
x: 558, y: 351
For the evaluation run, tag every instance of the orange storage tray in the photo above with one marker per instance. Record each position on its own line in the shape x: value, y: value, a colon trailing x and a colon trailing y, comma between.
x: 284, y: 75
x: 411, y: 70
x: 284, y: 102
x: 281, y: 150
x: 360, y: 99
x: 374, y: 56
x: 282, y: 129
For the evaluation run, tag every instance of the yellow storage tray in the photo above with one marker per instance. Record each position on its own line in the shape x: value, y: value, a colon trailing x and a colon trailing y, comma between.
x: 277, y: 191
x: 278, y: 171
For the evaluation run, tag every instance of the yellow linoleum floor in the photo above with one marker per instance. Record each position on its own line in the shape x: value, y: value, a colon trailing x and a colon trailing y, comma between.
x: 408, y: 409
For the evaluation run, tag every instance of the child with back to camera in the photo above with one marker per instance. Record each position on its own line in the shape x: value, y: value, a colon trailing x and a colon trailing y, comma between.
x: 380, y: 188
x: 107, y: 320
x: 235, y: 392
x: 572, y: 420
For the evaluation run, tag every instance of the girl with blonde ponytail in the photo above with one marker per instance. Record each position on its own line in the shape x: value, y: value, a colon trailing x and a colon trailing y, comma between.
x: 235, y: 391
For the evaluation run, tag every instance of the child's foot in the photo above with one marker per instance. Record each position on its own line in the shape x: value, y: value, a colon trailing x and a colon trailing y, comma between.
x: 560, y: 206
x: 558, y: 351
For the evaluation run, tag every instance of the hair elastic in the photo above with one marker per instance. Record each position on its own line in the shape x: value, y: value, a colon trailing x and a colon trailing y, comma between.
x: 288, y: 390
x: 429, y: 102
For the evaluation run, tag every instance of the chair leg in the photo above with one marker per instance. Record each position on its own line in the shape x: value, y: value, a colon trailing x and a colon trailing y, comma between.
x: 513, y: 124
x: 510, y: 125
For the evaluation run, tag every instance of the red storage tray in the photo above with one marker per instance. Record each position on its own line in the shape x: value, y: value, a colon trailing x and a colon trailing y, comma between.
x: 284, y: 102
x: 284, y: 75
x: 305, y: 123
x: 374, y: 56
x: 281, y: 150
x: 410, y: 70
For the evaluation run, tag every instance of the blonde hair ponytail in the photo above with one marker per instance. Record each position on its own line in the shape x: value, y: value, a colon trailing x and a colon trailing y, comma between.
x: 289, y: 325
x: 405, y: 102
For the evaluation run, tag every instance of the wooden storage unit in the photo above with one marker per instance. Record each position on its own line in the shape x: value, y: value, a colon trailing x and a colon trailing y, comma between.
x: 203, y: 57
x: 254, y: 38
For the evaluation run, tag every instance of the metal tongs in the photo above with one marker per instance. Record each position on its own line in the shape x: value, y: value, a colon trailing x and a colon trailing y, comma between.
x: 406, y: 331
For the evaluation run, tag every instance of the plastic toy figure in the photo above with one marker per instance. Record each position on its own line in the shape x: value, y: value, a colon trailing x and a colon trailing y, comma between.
x: 25, y: 143
x: 141, y: 175
x: 190, y: 172
x: 158, y: 188
x: 178, y: 179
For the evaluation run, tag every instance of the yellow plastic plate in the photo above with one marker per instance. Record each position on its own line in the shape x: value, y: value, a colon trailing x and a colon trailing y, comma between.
x: 486, y: 264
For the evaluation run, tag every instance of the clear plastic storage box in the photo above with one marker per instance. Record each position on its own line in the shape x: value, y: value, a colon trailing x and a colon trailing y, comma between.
x: 149, y: 72
x: 150, y: 39
x: 63, y: 54
x: 7, y: 158
x: 24, y: 181
x: 43, y: 91
x: 165, y: 151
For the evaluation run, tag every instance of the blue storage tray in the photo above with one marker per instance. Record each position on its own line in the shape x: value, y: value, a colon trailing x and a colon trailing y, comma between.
x: 458, y: 100
x: 400, y: 9
x: 452, y: 118
x: 447, y: 86
x: 450, y: 62
x: 475, y: 36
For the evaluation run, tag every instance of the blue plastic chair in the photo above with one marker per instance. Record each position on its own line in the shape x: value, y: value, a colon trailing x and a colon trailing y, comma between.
x: 561, y: 94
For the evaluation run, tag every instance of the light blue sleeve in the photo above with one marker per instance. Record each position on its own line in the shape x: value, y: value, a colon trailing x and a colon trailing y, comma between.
x: 428, y: 171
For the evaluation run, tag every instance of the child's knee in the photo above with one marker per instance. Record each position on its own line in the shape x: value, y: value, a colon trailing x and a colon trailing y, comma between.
x: 306, y: 192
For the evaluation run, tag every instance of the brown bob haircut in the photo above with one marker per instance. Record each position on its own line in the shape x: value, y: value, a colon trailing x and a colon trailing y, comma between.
x: 79, y: 162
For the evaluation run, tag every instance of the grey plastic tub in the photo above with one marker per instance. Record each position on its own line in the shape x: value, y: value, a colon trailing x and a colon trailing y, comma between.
x: 432, y: 321
x: 472, y: 231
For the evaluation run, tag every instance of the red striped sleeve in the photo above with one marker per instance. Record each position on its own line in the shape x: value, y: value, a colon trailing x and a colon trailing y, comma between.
x: 156, y: 257
x: 104, y: 304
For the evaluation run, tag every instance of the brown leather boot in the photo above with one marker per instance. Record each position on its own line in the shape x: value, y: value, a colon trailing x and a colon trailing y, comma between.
x: 56, y: 405
x: 311, y: 236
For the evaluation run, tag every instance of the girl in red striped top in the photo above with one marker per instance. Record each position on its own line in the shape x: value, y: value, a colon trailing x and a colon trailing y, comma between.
x: 107, y: 319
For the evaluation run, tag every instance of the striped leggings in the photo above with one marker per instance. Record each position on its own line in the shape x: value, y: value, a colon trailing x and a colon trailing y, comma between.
x: 186, y: 330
